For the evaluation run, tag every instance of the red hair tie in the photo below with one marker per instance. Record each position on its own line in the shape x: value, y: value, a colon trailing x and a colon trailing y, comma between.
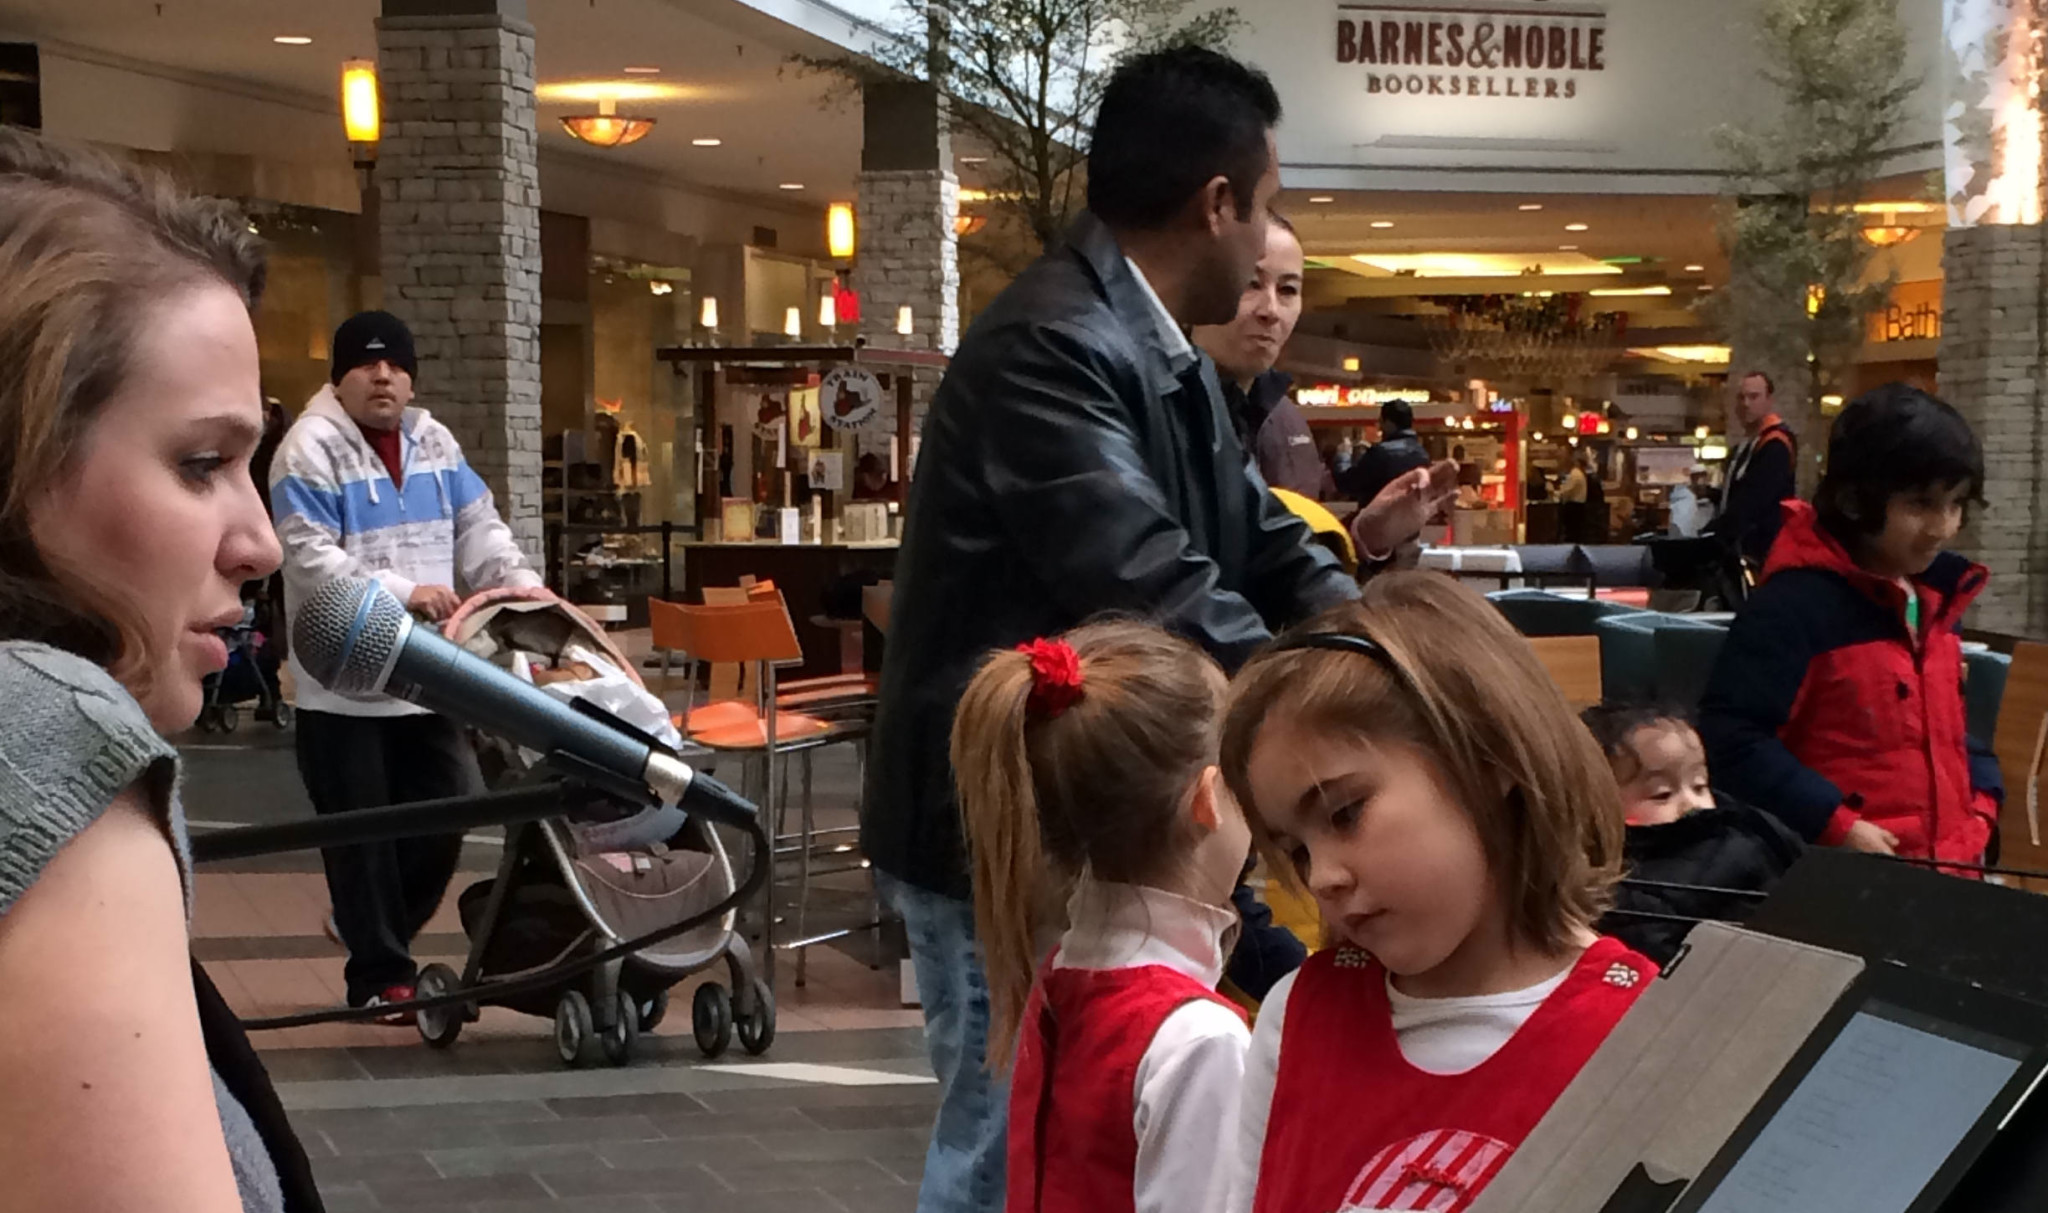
x: 1055, y: 678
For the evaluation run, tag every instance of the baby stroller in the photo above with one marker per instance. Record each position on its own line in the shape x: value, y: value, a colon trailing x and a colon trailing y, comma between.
x: 251, y: 674
x: 569, y: 887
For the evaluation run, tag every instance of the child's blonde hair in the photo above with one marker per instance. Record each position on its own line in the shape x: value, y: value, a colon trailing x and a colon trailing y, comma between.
x: 1096, y: 785
x: 1456, y: 681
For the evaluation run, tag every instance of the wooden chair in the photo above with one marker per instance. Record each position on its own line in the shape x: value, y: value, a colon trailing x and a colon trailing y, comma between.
x: 2021, y: 742
x: 754, y: 638
x: 1574, y: 664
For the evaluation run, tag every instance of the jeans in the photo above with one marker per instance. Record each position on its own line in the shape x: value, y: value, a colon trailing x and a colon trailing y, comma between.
x: 384, y: 892
x: 963, y: 1169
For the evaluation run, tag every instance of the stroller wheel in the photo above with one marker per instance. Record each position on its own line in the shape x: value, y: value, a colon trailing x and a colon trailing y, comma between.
x: 711, y: 1019
x: 653, y: 1011
x: 757, y: 1029
x: 228, y: 716
x: 281, y: 715
x: 575, y: 1035
x: 440, y: 1026
x: 618, y: 1039
x: 205, y: 721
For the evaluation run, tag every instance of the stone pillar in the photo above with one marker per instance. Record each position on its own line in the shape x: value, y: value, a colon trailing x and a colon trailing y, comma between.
x: 1994, y: 359
x: 1994, y: 330
x: 459, y: 198
x: 908, y: 200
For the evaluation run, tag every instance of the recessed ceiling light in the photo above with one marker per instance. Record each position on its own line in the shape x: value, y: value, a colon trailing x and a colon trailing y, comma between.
x: 1575, y: 227
x: 1695, y: 269
x: 1321, y: 199
x: 790, y: 185
x: 641, y: 71
x: 1567, y: 248
x: 1530, y: 206
x: 292, y: 40
x: 706, y: 142
x: 1383, y: 223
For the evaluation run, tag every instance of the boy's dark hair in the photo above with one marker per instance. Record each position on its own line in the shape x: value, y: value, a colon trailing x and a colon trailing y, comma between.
x: 1891, y: 440
x: 1612, y: 724
x: 1396, y: 415
x: 1170, y: 122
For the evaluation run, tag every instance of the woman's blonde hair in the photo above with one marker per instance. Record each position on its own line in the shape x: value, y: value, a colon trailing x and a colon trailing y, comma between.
x: 89, y: 248
x: 1097, y: 787
x: 1457, y: 682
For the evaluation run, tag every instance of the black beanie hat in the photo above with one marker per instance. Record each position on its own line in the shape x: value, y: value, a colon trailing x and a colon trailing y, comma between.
x: 368, y: 337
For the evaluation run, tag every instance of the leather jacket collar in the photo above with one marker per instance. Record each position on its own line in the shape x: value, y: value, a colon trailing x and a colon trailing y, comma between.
x: 1096, y: 245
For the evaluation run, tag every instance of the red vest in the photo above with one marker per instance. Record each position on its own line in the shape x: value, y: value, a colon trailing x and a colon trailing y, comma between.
x: 1355, y: 1126
x: 1073, y: 1094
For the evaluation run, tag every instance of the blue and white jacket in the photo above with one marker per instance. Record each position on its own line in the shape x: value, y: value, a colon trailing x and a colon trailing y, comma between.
x: 339, y: 515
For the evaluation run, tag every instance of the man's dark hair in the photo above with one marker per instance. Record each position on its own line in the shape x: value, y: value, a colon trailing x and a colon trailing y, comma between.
x: 1170, y: 122
x: 1770, y: 386
x: 1396, y: 415
x: 1891, y: 440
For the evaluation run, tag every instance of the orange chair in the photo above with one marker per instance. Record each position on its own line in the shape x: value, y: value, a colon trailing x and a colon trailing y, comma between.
x: 753, y: 638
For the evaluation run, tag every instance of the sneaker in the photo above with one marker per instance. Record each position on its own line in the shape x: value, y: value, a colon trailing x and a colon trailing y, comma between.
x: 393, y: 994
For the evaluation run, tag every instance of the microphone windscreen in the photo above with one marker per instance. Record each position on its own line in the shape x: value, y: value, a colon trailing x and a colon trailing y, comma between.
x: 347, y: 635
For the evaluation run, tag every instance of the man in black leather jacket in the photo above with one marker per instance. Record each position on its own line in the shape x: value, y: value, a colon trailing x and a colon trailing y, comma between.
x: 1398, y: 451
x: 1077, y: 459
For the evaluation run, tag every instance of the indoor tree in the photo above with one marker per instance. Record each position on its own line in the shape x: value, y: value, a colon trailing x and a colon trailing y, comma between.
x: 1798, y: 294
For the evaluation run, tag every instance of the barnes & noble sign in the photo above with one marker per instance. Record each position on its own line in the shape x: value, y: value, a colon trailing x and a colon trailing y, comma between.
x: 1532, y: 49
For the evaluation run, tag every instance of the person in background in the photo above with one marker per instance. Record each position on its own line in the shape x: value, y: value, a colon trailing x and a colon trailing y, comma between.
x: 1837, y: 701
x: 1594, y: 525
x: 1762, y: 473
x: 1571, y: 500
x: 1268, y: 423
x: 1691, y: 509
x: 1078, y: 460
x: 130, y: 407
x: 1088, y: 762
x: 1398, y: 452
x: 870, y: 478
x: 1409, y: 761
x: 1691, y: 854
x: 365, y: 485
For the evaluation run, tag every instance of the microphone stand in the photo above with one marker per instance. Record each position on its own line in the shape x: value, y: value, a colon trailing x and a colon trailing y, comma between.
x: 454, y: 814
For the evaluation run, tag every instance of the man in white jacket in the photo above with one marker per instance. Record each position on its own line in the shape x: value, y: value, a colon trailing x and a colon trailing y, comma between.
x: 365, y: 486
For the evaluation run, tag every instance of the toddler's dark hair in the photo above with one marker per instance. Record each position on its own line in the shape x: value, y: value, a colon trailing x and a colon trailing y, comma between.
x: 1612, y: 724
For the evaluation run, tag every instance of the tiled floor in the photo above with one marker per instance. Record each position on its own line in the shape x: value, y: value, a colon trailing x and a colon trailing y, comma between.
x: 497, y: 1122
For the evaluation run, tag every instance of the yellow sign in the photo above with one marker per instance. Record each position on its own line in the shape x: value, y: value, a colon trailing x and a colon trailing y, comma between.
x: 1913, y: 313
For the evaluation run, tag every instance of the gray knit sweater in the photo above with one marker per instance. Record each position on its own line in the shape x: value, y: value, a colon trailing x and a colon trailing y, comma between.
x: 74, y: 740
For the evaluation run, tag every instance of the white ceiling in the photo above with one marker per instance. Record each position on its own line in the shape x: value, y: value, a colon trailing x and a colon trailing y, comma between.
x: 773, y: 119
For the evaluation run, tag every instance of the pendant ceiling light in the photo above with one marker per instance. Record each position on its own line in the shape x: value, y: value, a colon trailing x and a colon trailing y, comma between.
x: 607, y: 127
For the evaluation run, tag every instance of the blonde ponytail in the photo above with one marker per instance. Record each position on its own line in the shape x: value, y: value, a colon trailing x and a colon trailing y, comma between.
x: 992, y: 768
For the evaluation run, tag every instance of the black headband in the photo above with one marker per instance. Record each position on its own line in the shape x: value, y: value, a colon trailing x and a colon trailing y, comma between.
x: 1342, y: 642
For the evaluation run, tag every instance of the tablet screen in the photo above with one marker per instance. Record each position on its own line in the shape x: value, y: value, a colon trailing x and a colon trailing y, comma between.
x: 1869, y: 1125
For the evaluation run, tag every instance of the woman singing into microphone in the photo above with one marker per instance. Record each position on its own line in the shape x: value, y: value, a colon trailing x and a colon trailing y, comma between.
x: 129, y: 410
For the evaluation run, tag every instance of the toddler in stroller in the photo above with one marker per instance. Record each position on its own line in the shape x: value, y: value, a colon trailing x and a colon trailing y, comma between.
x: 569, y: 887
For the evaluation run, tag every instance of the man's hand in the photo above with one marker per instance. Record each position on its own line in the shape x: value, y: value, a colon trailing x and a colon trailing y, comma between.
x: 433, y: 603
x: 1403, y: 507
x: 1871, y: 839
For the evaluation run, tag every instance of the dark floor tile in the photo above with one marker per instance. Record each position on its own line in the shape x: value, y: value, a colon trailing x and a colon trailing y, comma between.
x: 309, y: 1065
x: 580, y: 1129
x: 391, y: 1137
x: 732, y: 1124
x: 382, y: 1062
x: 453, y: 1192
x: 488, y: 1111
x: 921, y: 1095
x: 666, y: 1182
x: 907, y: 1168
x: 582, y: 1204
x: 514, y: 1160
x: 888, y: 1116
x: 877, y: 1200
x: 627, y: 1105
x: 347, y: 1198
x: 842, y: 1146
x: 352, y: 1168
x: 681, y: 1152
x: 785, y: 1176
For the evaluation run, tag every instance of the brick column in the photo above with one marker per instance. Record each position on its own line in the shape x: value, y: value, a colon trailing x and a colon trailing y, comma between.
x: 1994, y: 360
x: 460, y: 228
x: 909, y: 255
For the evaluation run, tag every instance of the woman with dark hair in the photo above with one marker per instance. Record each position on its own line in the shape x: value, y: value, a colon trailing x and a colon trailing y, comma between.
x: 1837, y: 701
x: 129, y: 411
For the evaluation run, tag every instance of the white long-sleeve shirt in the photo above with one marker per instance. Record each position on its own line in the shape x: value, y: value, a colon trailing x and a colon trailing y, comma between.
x: 1187, y: 1081
x: 1436, y: 1035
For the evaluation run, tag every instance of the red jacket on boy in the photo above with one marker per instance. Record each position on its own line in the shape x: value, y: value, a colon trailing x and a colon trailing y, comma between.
x: 1823, y: 709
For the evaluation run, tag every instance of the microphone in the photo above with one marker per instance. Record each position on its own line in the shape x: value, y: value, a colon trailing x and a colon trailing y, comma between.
x: 355, y: 639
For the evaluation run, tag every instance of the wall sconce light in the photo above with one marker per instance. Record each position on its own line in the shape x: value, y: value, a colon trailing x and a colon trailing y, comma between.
x: 359, y: 116
x: 903, y: 325
x: 1632, y: 433
x: 839, y: 231
x: 828, y: 311
x: 707, y: 312
x: 1351, y: 365
x: 792, y: 322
